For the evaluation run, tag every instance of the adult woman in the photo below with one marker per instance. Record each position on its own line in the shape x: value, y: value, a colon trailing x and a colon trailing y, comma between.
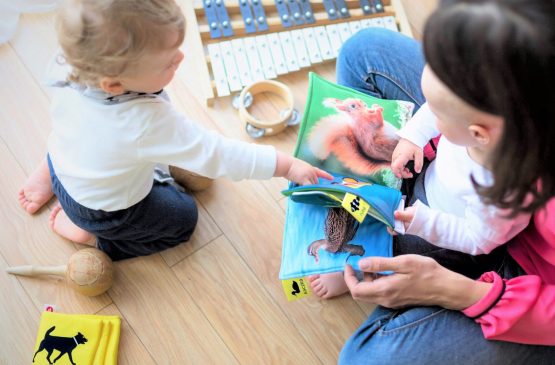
x: 493, y: 57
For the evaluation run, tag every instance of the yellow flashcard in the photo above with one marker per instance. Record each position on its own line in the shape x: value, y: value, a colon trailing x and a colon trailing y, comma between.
x: 296, y: 288
x: 77, y: 339
x: 356, y: 206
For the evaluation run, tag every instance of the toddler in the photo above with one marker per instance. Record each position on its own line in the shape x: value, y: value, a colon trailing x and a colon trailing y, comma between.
x: 113, y: 123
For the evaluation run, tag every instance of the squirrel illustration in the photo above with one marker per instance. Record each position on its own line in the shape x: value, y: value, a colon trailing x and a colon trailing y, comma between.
x: 357, y: 136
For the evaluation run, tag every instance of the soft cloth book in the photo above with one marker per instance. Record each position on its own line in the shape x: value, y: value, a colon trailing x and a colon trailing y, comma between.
x: 351, y: 135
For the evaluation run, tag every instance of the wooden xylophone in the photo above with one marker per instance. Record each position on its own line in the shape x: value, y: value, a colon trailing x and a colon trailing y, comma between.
x: 243, y: 41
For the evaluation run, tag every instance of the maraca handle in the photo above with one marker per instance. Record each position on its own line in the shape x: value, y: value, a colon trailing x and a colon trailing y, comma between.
x: 32, y: 270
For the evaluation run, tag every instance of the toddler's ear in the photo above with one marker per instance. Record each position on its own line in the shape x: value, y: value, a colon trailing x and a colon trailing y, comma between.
x: 111, y: 86
x: 480, y: 133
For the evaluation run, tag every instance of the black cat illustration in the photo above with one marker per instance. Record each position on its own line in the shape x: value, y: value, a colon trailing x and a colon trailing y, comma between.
x: 64, y: 345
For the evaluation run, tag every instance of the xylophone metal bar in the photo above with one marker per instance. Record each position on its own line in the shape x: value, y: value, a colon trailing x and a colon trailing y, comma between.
x: 248, y: 16
x: 286, y: 51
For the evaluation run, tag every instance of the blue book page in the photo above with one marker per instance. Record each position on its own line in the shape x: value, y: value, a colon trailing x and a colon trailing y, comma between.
x: 305, y: 225
x: 382, y: 200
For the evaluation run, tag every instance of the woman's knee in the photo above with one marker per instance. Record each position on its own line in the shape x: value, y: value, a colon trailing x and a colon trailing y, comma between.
x: 357, y: 353
x: 350, y: 354
x: 373, y: 38
x: 382, y: 63
x: 368, y: 45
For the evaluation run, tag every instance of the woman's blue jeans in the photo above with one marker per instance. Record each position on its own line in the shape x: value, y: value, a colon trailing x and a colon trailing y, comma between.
x: 389, y: 65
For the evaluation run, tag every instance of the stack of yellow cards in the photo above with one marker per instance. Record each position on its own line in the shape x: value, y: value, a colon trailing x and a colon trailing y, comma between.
x: 77, y: 339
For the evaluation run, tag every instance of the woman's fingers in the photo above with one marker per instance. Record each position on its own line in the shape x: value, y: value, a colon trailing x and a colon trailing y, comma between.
x: 350, y: 277
x: 411, y: 283
x: 398, y: 264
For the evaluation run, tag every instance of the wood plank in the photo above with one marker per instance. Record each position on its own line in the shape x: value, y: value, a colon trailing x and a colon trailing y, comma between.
x: 253, y: 222
x: 193, y: 45
x: 417, y: 13
x: 367, y: 308
x: 236, y: 304
x: 206, y: 231
x: 38, y: 30
x: 25, y: 126
x: 24, y: 113
x: 20, y: 320
x: 401, y: 17
x: 164, y: 316
x: 131, y: 349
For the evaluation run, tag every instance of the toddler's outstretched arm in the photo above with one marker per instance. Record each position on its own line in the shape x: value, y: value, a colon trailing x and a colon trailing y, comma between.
x: 297, y: 170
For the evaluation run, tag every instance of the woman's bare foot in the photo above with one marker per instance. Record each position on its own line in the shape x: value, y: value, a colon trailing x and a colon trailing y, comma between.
x: 62, y: 225
x: 37, y: 190
x: 328, y: 285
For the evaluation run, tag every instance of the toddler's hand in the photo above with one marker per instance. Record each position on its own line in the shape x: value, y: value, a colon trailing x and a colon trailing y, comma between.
x: 303, y: 173
x: 406, y: 216
x: 403, y: 153
x: 391, y: 231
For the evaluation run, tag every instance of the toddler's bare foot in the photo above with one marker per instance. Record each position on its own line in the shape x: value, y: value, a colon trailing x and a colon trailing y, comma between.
x: 328, y: 285
x: 62, y: 225
x: 37, y: 190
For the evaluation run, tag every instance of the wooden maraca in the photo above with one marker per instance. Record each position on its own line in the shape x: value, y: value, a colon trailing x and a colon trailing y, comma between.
x: 89, y: 271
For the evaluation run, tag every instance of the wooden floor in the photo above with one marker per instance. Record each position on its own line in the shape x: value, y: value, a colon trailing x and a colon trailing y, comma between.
x: 214, y: 300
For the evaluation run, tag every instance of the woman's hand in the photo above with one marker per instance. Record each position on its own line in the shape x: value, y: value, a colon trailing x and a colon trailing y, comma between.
x: 402, y: 154
x: 416, y: 280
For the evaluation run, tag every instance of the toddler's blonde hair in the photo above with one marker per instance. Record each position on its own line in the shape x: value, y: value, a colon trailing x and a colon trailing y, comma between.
x: 106, y: 38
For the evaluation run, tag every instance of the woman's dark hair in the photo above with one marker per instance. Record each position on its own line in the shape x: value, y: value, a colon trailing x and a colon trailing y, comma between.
x: 499, y: 57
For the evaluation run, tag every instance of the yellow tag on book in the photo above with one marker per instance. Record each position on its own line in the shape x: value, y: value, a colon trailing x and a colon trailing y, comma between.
x: 356, y: 206
x: 77, y: 339
x: 296, y: 288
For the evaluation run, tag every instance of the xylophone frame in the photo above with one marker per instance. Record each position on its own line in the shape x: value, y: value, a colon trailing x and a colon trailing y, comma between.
x: 199, y: 37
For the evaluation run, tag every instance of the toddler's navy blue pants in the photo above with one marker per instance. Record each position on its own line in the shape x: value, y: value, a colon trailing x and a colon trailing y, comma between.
x: 165, y: 218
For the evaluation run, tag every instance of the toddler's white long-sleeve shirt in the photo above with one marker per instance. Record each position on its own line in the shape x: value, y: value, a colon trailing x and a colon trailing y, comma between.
x: 455, y: 217
x: 104, y: 152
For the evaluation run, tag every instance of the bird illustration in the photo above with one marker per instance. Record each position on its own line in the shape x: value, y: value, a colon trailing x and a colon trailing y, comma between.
x: 296, y: 289
x: 357, y: 135
x: 340, y: 227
